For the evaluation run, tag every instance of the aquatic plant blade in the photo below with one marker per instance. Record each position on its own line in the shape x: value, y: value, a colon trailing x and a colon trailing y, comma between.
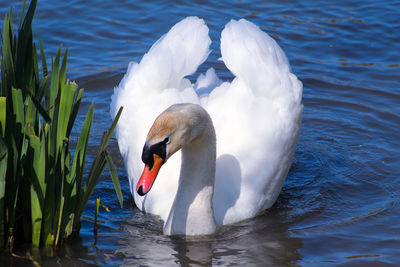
x: 98, y: 164
x: 112, y: 128
x: 79, y: 163
x: 7, y: 54
x: 18, y: 106
x: 38, y: 186
x: 63, y: 70
x: 3, y: 169
x: 3, y: 108
x: 37, y: 115
x: 114, y: 177
x: 27, y: 22
x: 60, y: 220
x: 96, y: 210
x: 75, y: 110
x: 54, y: 86
x: 65, y: 108
x: 36, y: 211
x: 24, y: 69
x: 81, y: 146
x: 43, y: 57
x: 94, y: 176
x: 41, y: 109
x: 22, y: 12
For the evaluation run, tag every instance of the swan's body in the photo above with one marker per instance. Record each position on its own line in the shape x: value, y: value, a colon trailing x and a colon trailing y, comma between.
x: 256, y: 118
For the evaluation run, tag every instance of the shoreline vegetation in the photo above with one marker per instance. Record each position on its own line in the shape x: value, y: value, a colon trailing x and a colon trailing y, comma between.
x: 43, y: 191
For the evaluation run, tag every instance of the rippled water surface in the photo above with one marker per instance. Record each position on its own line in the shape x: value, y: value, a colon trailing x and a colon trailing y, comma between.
x: 340, y: 202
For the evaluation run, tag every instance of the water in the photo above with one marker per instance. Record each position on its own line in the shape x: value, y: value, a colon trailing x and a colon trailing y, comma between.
x: 340, y: 202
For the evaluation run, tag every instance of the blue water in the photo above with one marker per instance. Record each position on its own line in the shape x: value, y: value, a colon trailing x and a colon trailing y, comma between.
x: 340, y: 202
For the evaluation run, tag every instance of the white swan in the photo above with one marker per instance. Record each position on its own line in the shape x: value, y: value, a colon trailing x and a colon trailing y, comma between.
x: 256, y: 117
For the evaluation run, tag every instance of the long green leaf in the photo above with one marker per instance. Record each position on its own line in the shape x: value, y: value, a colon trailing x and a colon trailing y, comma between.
x: 64, y: 115
x: 80, y: 152
x: 18, y: 106
x: 94, y: 176
x: 49, y: 205
x: 115, y: 179
x: 22, y: 12
x: 27, y: 23
x: 98, y: 165
x: 41, y: 110
x: 37, y: 188
x: 44, y: 86
x: 58, y: 228
x: 111, y: 130
x: 79, y: 162
x: 36, y: 214
x: 68, y: 208
x: 96, y: 214
x: 55, y: 96
x: 43, y: 57
x: 3, y: 108
x: 7, y: 52
x: 30, y: 115
x: 36, y: 73
x: 54, y: 87
x: 24, y: 55
x: 61, y: 173
x: 74, y: 112
x: 3, y: 170
x: 63, y: 70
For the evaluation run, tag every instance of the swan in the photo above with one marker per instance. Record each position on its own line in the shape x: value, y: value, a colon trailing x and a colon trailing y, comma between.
x: 214, y: 152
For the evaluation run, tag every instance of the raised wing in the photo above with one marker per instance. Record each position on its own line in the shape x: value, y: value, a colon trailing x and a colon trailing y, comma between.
x: 257, y: 120
x: 147, y: 89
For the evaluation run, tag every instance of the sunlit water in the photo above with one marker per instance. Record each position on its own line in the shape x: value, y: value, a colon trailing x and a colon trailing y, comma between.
x: 340, y: 202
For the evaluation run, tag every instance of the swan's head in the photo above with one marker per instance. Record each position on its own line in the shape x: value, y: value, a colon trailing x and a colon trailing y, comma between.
x: 177, y: 126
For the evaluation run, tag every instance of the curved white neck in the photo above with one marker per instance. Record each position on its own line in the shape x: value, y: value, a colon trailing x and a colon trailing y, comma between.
x: 192, y: 212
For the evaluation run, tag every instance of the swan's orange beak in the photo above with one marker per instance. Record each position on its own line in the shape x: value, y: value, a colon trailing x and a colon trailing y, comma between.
x: 149, y: 175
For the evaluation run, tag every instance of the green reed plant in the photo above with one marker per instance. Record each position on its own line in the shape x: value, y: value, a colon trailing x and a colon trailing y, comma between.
x: 43, y: 191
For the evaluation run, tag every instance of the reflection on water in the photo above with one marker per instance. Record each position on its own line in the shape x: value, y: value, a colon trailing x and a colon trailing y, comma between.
x: 340, y: 202
x: 196, y: 252
x: 264, y: 239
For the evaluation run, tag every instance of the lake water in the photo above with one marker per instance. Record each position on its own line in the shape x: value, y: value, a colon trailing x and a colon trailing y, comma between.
x: 340, y: 203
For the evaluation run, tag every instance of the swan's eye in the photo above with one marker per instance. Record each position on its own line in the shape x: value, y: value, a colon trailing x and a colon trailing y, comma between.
x: 166, y: 140
x: 159, y: 149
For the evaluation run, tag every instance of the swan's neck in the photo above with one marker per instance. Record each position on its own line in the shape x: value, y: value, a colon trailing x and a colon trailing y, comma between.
x: 192, y: 212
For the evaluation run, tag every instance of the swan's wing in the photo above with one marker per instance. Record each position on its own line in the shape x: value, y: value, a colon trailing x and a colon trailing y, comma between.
x: 148, y: 88
x: 257, y: 121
